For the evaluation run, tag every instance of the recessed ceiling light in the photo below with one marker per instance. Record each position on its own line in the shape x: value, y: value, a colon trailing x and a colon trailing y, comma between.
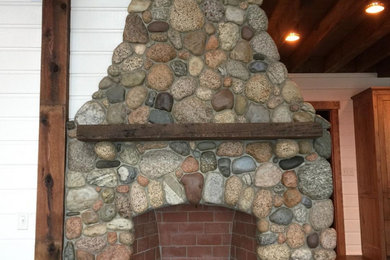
x: 292, y: 37
x: 375, y: 7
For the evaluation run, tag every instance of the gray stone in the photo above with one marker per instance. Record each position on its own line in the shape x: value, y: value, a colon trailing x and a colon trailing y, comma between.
x: 155, y: 164
x: 132, y: 63
x: 182, y: 148
x: 267, y: 175
x: 257, y: 18
x: 213, y: 188
x: 151, y: 98
x: 103, y: 177
x: 243, y: 164
x: 160, y: 13
x: 214, y: 10
x: 323, y: 254
x: 107, y: 164
x: 286, y: 148
x: 100, y: 94
x: 274, y: 252
x: 229, y: 33
x: 164, y: 101
x: 321, y: 214
x: 277, y: 72
x: 262, y: 43
x: 121, y: 52
x: 174, y: 191
x: 81, y: 156
x: 107, y: 212
x: 237, y: 69
x: 315, y: 179
x: 160, y: 117
x: 281, y: 114
x: 323, y: 145
x: 192, y: 110
x: 133, y: 78
x: 301, y: 254
x: 186, y: 16
x: 129, y: 154
x: 235, y: 15
x: 74, y: 179
x: 328, y: 238
x: 69, y: 251
x: 224, y: 166
x: 265, y: 239
x: 127, y: 174
x: 208, y: 162
x: 136, y: 97
x: 282, y: 216
x: 291, y: 163
x: 91, y: 113
x: 106, y: 82
x: 183, y: 87
x: 80, y: 199
x: 300, y: 213
x: 117, y: 113
x: 206, y: 146
x: 175, y: 38
x: 313, y: 240
x: 279, y: 188
x: 257, y: 114
x: 258, y: 66
x: 179, y: 68
x: 306, y: 202
x: 324, y: 123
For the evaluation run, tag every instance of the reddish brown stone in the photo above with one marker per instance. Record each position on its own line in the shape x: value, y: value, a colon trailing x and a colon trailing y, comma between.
x: 193, y: 186
x: 289, y: 179
x: 212, y: 43
x: 83, y: 255
x: 142, y: 180
x: 164, y: 101
x: 179, y: 173
x: 112, y: 238
x: 158, y: 26
x: 135, y: 30
x: 122, y: 189
x: 215, y: 58
x: 184, y: 55
x: 312, y: 157
x: 161, y: 52
x: 227, y: 82
x: 278, y: 201
x: 73, y: 227
x: 292, y: 197
x: 190, y: 164
x: 115, y: 252
x: 281, y: 238
x: 98, y: 189
x: 224, y: 99
x: 98, y: 204
x: 195, y: 42
x: 247, y: 33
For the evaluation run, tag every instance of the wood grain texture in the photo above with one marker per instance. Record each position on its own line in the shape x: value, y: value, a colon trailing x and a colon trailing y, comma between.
x: 209, y: 131
x: 54, y: 96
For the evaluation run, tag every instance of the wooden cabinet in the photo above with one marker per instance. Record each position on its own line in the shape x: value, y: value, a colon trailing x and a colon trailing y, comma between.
x: 372, y: 137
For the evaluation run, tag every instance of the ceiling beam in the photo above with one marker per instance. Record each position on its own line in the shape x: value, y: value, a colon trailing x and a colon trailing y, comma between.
x: 365, y: 35
x: 383, y: 68
x: 373, y: 55
x: 341, y: 11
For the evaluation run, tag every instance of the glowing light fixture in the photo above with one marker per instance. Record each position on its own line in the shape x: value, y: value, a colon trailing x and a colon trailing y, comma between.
x: 292, y: 37
x: 375, y: 7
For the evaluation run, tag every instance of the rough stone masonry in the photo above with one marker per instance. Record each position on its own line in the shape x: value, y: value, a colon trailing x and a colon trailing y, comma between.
x: 198, y: 61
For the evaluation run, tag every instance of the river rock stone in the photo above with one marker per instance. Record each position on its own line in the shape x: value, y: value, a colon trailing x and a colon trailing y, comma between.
x: 295, y: 236
x: 115, y: 94
x: 69, y: 251
x: 91, y: 244
x: 116, y: 114
x: 262, y: 152
x: 243, y: 164
x: 258, y: 89
x: 228, y: 35
x: 161, y: 52
x: 133, y: 78
x: 323, y: 254
x: 160, y: 77
x: 306, y: 202
x: 237, y: 69
x: 74, y: 179
x: 155, y: 194
x: 164, y: 101
x: 301, y: 254
x: 135, y: 30
x: 103, y: 177
x: 195, y: 42
x: 213, y: 189
x: 235, y: 15
x: 258, y: 66
x: 155, y: 164
x: 247, y: 33
x: 230, y: 149
x: 215, y: 58
x: 263, y: 44
x: 138, y: 6
x: 300, y: 213
x: 182, y: 148
x: 73, y: 227
x: 190, y: 164
x: 321, y: 214
x: 208, y: 162
x: 323, y: 145
x: 139, y: 115
x: 186, y: 16
x: 84, y: 163
x: 262, y: 203
x: 313, y: 240
x: 315, y: 179
x: 281, y: 114
x: 175, y: 38
x: 131, y: 63
x: 117, y: 252
x: 290, y: 179
x: 257, y: 18
x: 214, y: 10
x: 282, y: 216
x: 95, y: 230
x: 206, y: 145
x: 242, y: 51
x: 204, y: 93
x: 246, y: 199
x: 195, y: 66
x: 233, y: 189
x: 292, y: 197
x: 160, y: 117
x: 80, y: 199
x: 89, y: 217
x: 328, y: 238
x: 174, y: 192
x: 129, y: 154
x: 291, y: 163
x: 257, y: 114
x: 192, y: 110
x: 275, y: 101
x: 324, y: 123
x: 108, y: 195
x: 101, y: 164
x: 240, y: 105
x: 183, y: 87
x: 267, y: 175
x: 274, y: 252
x: 105, y: 150
x: 210, y: 79
x: 193, y: 186
x: 286, y: 148
x: 91, y: 113
x: 225, y: 117
x: 291, y: 92
x: 277, y: 72
x: 127, y: 238
x: 179, y: 68
x: 120, y: 224
x: 138, y: 198
x: 224, y: 166
x: 158, y: 26
x: 265, y: 239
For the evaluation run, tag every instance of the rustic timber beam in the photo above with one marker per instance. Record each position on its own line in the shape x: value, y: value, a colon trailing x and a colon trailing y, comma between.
x: 358, y: 41
x: 373, y: 55
x: 342, y: 10
x: 209, y: 131
x: 52, y: 132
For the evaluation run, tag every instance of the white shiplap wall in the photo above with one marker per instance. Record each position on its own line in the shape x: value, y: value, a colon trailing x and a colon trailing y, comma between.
x: 20, y: 41
x: 96, y: 30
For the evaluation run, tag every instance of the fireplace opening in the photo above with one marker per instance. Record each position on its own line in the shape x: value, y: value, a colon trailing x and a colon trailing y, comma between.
x: 194, y: 232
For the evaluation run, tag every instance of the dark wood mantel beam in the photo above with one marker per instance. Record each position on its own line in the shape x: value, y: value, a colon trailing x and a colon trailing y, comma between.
x: 52, y: 133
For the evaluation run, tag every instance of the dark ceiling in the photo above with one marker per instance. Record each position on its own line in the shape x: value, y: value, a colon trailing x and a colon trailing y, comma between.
x: 336, y: 35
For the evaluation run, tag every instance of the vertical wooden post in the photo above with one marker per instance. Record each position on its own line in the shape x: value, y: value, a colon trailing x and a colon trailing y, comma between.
x: 52, y: 130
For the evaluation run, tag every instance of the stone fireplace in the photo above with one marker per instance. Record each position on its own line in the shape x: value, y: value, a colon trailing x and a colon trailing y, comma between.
x: 188, y: 62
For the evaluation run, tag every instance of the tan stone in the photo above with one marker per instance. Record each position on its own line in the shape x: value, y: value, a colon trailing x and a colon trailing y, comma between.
x: 262, y: 225
x: 233, y: 189
x: 73, y: 227
x: 215, y: 58
x: 230, y: 149
x: 139, y: 115
x: 160, y: 77
x: 262, y: 203
x: 262, y: 152
x: 190, y: 164
x: 295, y: 236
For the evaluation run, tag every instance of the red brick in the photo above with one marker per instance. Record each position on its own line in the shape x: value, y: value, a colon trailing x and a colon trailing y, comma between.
x: 251, y: 255
x: 226, y: 239
x: 140, y: 256
x: 183, y: 239
x: 240, y: 253
x: 221, y: 251
x: 191, y: 227
x: 209, y: 239
x: 154, y: 241
x: 168, y: 227
x: 150, y: 254
x: 225, y: 216
x: 174, y: 251
x: 199, y: 251
x: 217, y: 228
x: 201, y: 216
x: 175, y: 216
x: 142, y: 244
x: 165, y: 239
x: 150, y: 229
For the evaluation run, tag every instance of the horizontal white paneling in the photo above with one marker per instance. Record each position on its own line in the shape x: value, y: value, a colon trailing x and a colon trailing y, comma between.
x: 20, y: 249
x: 75, y: 103
x: 84, y: 85
x: 18, y: 177
x: 21, y: 37
x: 19, y: 82
x: 18, y: 201
x: 12, y: 105
x: 92, y: 62
x: 98, y: 18
x: 106, y: 42
x: 20, y: 59
x: 28, y: 13
x: 18, y: 153
x: 19, y: 129
x: 9, y: 224
x: 100, y: 4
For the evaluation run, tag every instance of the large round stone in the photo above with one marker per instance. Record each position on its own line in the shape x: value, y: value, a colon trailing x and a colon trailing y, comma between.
x: 195, y: 66
x: 73, y: 227
x: 161, y: 52
x: 233, y: 189
x: 136, y: 97
x: 208, y: 162
x: 91, y: 113
x: 237, y: 69
x: 193, y: 186
x: 323, y: 145
x: 323, y: 254
x: 301, y: 254
x: 258, y: 88
x: 315, y: 179
x: 246, y: 199
x: 214, y: 10
x: 138, y: 198
x: 262, y: 152
x: 282, y: 216
x: 103, y: 177
x: 328, y: 238
x: 277, y: 72
x: 229, y: 33
x: 210, y: 79
x: 133, y: 78
x: 195, y: 42
x: 242, y: 51
x: 281, y: 114
x: 262, y: 203
x: 286, y: 148
x: 267, y: 175
x: 80, y: 199
x: 243, y: 164
x: 291, y: 92
x: 321, y: 214
x: 215, y: 58
x: 223, y: 99
x: 183, y: 87
x: 263, y: 44
x: 160, y: 77
x: 129, y: 154
x: 121, y: 52
x: 313, y: 240
x: 257, y: 18
x: 81, y: 156
x: 213, y: 189
x: 235, y: 15
x: 257, y: 114
x: 91, y: 244
x: 295, y: 236
x: 135, y: 30
x: 155, y: 164
x: 274, y: 252
x: 192, y: 110
x: 186, y: 16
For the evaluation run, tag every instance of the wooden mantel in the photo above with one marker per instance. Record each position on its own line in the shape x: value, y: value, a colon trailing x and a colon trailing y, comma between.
x: 207, y: 131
